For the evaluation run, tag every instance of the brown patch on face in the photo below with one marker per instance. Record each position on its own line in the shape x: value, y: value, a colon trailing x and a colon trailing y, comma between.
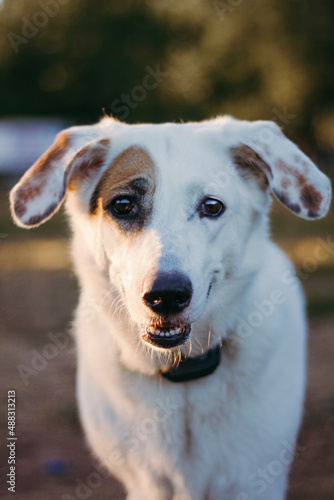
x: 311, y: 200
x: 134, y: 162
x: 132, y: 174
x: 250, y: 165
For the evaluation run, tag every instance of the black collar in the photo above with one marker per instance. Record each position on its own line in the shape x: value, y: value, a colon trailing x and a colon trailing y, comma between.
x: 193, y: 368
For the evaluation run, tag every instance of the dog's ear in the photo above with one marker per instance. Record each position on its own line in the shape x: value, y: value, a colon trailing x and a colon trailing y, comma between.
x: 262, y: 150
x: 41, y: 190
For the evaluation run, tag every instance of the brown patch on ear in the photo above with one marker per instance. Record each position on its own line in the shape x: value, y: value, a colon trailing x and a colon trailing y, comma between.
x: 104, y: 142
x: 54, y: 153
x: 86, y: 163
x: 300, y: 178
x: 35, y: 178
x: 284, y: 198
x: 285, y: 183
x: 36, y: 219
x: 20, y: 208
x: 250, y: 165
x: 30, y: 191
x: 132, y: 162
x: 311, y: 200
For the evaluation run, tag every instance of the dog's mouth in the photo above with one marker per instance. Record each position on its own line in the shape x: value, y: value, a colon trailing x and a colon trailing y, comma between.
x: 165, y: 336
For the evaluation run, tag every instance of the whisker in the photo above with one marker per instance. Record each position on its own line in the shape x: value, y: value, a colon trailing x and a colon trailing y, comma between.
x: 209, y: 338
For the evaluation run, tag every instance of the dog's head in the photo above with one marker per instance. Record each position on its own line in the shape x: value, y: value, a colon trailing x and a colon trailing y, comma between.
x: 176, y: 213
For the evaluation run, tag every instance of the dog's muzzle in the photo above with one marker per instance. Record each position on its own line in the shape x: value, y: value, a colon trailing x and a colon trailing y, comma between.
x: 167, y: 297
x: 165, y: 337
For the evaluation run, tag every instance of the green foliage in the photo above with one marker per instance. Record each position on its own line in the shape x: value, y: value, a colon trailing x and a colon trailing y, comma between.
x: 252, y: 59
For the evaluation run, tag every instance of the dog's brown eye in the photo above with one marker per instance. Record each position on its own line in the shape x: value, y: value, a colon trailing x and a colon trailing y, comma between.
x: 212, y: 207
x: 123, y: 205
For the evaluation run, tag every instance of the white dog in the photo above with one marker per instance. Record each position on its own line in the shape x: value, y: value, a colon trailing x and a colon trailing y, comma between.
x: 190, y: 328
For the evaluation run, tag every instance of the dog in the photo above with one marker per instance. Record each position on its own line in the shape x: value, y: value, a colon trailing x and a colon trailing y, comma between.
x: 190, y: 328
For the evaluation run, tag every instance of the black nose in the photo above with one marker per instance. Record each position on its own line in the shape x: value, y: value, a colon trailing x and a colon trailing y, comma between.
x: 170, y: 293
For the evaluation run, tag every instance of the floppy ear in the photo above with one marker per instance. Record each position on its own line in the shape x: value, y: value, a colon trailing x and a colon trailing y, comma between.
x: 41, y: 191
x: 261, y: 149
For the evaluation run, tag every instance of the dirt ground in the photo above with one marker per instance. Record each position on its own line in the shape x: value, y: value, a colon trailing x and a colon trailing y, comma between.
x: 53, y: 461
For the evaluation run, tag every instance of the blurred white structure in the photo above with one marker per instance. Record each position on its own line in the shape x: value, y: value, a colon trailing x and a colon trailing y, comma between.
x: 23, y: 140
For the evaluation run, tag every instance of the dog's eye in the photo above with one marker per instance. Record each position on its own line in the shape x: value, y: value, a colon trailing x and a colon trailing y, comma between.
x: 212, y: 208
x: 123, y: 205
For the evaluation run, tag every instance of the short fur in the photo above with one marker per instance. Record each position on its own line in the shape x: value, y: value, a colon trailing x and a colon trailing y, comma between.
x: 229, y: 435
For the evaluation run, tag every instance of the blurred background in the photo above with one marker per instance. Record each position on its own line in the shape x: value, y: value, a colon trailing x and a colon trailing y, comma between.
x: 66, y: 62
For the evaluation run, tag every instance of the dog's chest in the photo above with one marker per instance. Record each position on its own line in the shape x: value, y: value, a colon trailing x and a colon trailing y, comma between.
x: 164, y: 427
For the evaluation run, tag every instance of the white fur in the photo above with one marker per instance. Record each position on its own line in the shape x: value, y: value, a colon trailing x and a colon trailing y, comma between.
x: 229, y: 435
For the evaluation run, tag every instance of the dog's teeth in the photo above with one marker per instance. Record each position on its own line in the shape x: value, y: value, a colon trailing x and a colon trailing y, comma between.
x: 173, y: 332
